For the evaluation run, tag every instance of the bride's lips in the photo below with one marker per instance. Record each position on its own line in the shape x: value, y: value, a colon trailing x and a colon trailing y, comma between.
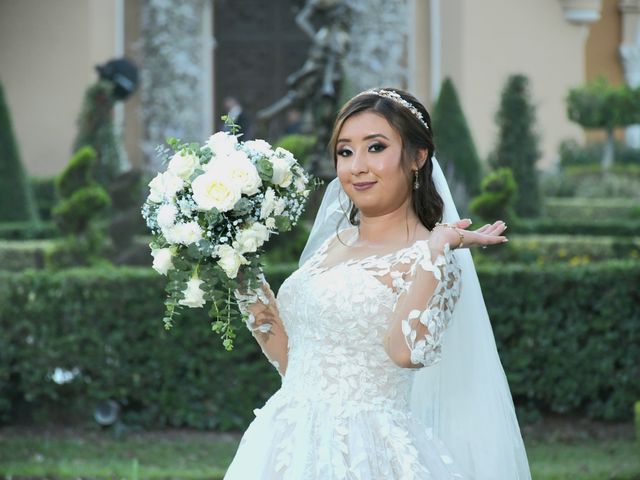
x: 363, y: 185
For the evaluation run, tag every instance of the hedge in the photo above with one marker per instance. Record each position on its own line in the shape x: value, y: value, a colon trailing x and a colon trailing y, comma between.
x: 569, y: 339
x: 593, y: 209
x: 579, y: 226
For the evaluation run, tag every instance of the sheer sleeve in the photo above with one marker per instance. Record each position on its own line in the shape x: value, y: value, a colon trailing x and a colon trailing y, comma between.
x: 427, y: 294
x: 260, y: 312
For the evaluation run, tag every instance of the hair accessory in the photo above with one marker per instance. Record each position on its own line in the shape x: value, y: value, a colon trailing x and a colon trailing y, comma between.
x: 391, y: 95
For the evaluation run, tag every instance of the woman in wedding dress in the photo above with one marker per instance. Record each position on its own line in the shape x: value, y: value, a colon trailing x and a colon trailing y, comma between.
x: 381, y: 336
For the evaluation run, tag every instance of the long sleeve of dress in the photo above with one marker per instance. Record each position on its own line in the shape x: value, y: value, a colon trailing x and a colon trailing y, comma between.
x: 427, y: 294
x: 260, y: 312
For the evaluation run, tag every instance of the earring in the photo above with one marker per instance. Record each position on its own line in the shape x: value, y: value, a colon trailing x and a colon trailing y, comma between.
x: 415, y: 180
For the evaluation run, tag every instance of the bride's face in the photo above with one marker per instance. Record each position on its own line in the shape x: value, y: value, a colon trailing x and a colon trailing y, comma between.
x: 369, y: 150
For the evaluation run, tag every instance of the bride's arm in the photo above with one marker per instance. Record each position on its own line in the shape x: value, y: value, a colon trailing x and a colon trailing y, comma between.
x: 263, y: 319
x: 424, y: 308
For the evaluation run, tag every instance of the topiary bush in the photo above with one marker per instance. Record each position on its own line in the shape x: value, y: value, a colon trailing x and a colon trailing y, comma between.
x: 455, y: 148
x: 498, y: 191
x: 82, y: 201
x: 17, y: 203
x: 517, y: 146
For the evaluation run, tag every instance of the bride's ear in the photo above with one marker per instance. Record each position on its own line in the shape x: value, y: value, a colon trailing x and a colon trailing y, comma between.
x: 421, y: 158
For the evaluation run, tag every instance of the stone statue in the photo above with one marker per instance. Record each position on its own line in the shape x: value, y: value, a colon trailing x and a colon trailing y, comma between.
x: 315, y: 87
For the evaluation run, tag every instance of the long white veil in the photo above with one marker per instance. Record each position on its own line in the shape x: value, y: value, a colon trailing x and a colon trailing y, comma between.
x: 464, y: 398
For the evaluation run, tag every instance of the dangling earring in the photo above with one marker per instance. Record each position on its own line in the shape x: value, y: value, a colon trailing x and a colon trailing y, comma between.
x: 415, y: 180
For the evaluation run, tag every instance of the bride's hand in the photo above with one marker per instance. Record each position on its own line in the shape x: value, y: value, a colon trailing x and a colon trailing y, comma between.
x: 489, y: 234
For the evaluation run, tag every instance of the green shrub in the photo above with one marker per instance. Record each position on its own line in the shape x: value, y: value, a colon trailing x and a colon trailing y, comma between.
x: 455, y: 149
x: 496, y: 200
x: 28, y: 230
x: 16, y: 198
x: 20, y: 255
x: 572, y: 249
x: 594, y: 209
x: 301, y: 145
x: 44, y: 190
x: 568, y: 337
x: 517, y: 146
x: 579, y: 226
x: 574, y: 154
x: 82, y: 201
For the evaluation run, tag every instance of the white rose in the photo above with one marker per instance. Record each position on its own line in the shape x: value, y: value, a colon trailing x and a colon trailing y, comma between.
x: 183, y: 165
x: 184, y: 233
x: 244, y: 172
x: 222, y: 144
x: 216, y: 189
x: 162, y: 260
x: 193, y: 295
x: 230, y: 260
x: 279, y: 207
x: 268, y: 204
x: 164, y: 187
x: 259, y: 146
x: 246, y: 241
x: 261, y: 231
x: 282, y: 174
x: 167, y: 215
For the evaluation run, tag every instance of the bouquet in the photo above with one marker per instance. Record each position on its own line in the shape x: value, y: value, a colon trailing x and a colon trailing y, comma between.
x: 210, y: 214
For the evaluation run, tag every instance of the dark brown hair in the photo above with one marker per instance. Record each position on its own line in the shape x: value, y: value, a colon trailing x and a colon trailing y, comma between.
x: 426, y: 201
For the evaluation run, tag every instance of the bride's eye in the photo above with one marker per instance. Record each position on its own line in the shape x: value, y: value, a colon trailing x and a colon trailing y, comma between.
x: 343, y: 152
x: 377, y: 147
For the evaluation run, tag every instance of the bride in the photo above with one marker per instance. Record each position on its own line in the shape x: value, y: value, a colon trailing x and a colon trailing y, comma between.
x: 388, y: 362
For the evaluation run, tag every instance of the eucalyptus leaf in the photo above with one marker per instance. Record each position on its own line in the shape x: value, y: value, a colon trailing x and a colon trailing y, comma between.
x: 265, y: 169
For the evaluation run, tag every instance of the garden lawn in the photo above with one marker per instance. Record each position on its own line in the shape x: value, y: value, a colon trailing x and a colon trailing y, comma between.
x: 69, y: 453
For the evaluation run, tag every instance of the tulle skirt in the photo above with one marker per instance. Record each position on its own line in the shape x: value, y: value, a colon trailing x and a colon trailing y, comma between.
x: 294, y: 439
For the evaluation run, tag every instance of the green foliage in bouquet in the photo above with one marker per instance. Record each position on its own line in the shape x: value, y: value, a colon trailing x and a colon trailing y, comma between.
x: 498, y: 190
x: 517, y: 146
x: 17, y: 203
x: 82, y: 201
x: 211, y: 213
x: 456, y: 151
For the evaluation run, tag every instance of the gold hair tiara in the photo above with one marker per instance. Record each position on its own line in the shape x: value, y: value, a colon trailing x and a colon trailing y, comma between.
x: 391, y: 95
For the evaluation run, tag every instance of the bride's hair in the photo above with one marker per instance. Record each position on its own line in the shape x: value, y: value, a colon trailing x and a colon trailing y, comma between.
x: 426, y: 201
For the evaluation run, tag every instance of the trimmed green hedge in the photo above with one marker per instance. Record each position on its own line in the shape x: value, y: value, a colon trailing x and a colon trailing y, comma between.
x: 569, y: 339
x: 28, y: 230
x: 592, y: 209
x: 579, y: 226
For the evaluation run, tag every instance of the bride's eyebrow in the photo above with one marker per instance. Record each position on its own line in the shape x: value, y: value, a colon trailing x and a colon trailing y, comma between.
x: 373, y: 135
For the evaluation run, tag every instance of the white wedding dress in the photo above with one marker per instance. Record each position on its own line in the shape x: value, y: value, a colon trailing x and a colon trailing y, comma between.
x: 342, y: 411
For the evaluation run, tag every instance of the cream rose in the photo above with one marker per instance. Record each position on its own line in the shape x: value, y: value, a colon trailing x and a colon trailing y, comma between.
x: 216, y: 188
x: 244, y: 172
x: 162, y: 260
x: 183, y: 165
x: 222, y: 144
x: 230, y: 260
x: 259, y: 146
x: 193, y: 295
x: 164, y: 187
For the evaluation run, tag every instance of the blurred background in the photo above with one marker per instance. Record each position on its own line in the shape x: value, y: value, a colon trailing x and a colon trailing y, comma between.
x: 536, y: 116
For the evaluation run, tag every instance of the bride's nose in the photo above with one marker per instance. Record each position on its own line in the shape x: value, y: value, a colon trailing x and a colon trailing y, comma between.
x: 359, y: 162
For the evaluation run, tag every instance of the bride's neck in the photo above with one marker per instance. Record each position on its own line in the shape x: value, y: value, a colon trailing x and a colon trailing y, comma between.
x: 398, y: 227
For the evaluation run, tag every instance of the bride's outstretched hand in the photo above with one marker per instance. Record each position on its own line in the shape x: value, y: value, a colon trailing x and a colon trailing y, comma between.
x: 456, y: 233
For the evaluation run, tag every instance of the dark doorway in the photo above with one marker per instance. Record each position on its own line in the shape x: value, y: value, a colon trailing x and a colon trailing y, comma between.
x: 258, y: 44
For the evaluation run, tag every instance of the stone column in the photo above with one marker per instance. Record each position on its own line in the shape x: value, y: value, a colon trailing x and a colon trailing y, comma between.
x: 378, y: 53
x: 173, y: 77
x: 630, y: 54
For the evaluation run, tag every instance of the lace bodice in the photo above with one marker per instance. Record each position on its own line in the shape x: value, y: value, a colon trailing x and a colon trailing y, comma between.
x: 338, y: 315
